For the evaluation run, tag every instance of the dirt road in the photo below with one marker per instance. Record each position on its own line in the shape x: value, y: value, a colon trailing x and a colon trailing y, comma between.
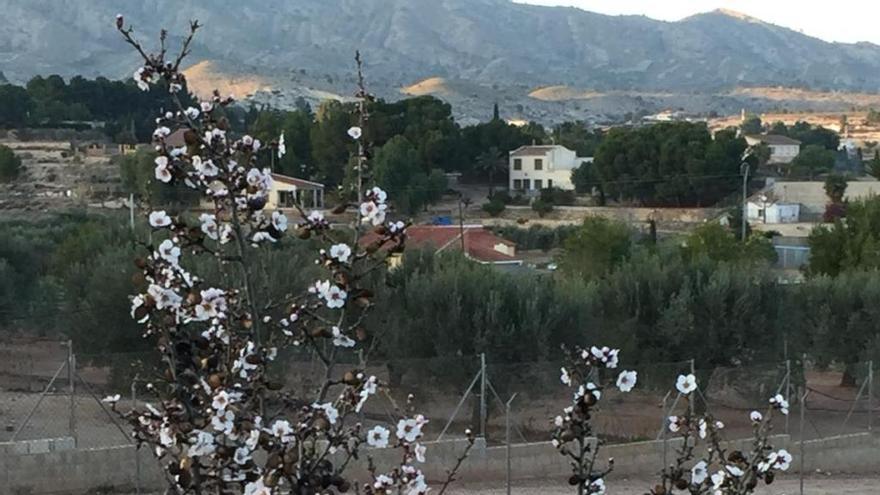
x: 815, y: 485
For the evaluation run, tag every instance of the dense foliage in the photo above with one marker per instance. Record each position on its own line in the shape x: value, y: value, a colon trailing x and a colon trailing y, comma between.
x: 127, y: 113
x: 10, y: 164
x: 674, y: 164
x: 658, y: 303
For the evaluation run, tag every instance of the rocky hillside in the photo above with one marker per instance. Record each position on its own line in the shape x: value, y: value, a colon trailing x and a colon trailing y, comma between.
x: 307, y: 45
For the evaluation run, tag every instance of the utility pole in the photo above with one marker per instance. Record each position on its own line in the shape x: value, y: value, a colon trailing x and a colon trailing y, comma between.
x: 462, y: 203
x: 744, y: 170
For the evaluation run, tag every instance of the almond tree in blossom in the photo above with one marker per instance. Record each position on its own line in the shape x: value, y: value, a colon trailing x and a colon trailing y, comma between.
x: 215, y: 419
x: 574, y: 436
x: 718, y: 470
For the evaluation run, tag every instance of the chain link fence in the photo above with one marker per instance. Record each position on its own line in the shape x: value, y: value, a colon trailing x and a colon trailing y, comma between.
x: 53, y: 393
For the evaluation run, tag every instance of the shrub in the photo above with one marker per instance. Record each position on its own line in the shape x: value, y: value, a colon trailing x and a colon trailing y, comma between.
x: 494, y: 207
x: 10, y: 165
x: 541, y: 207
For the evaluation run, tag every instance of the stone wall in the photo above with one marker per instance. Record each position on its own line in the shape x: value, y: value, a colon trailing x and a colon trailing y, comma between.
x: 89, y: 470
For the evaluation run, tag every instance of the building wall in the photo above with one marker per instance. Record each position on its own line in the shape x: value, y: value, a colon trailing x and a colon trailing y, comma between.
x: 557, y: 167
x: 783, y: 153
x: 811, y: 195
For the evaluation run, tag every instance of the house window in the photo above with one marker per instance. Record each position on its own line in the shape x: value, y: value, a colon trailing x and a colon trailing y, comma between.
x: 526, y: 184
x: 517, y: 184
x: 287, y: 199
x: 517, y: 163
x: 539, y: 184
x: 549, y: 183
x: 539, y: 164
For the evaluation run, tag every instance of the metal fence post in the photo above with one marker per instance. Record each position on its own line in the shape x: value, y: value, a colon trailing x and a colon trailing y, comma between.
x: 137, y: 446
x: 71, y: 375
x: 870, y: 395
x: 691, y: 402
x: 483, y: 404
x: 507, y: 436
x: 787, y: 390
x: 803, y: 414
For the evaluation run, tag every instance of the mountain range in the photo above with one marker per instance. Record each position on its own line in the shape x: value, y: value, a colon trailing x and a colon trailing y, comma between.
x: 467, y: 50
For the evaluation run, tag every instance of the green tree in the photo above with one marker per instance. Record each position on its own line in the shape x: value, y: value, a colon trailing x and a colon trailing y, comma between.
x: 137, y: 171
x: 850, y: 244
x: 835, y: 187
x: 761, y: 152
x: 812, y: 161
x: 329, y: 142
x: 596, y: 248
x: 398, y: 170
x: 719, y: 244
x: 669, y: 164
x: 874, y: 166
x: 752, y: 125
x: 15, y: 106
x: 10, y: 164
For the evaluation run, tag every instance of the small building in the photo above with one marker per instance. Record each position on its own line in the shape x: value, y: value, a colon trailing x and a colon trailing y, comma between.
x: 783, y: 149
x: 773, y: 212
x: 480, y: 244
x: 288, y: 192
x: 533, y: 168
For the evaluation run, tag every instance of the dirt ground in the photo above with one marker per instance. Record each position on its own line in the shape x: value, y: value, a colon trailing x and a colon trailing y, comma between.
x: 789, y: 485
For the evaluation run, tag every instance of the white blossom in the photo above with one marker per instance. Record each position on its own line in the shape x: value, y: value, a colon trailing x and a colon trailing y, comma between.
x: 378, y: 437
x: 279, y: 221
x: 734, y: 471
x: 139, y: 79
x: 281, y: 429
x: 161, y: 171
x: 169, y: 252
x: 111, y: 399
x: 329, y: 410
x: 340, y: 339
x: 686, y: 384
x: 596, y: 487
x: 340, y: 252
x: 220, y: 401
x: 159, y: 219
x: 756, y: 417
x: 699, y: 473
x: 223, y: 422
x: 373, y: 213
x: 626, y: 380
x: 203, y: 445
x: 192, y: 113
x: 355, y: 132
x: 565, y: 378
x: 409, y: 430
x: 257, y: 488
x: 718, y: 479
x: 779, y: 402
x: 242, y: 455
x: 282, y: 148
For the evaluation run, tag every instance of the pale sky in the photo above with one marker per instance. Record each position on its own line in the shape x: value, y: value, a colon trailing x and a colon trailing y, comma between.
x: 840, y: 20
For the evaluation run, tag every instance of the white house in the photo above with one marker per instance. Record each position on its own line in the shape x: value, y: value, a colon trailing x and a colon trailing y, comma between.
x: 533, y: 168
x: 773, y: 212
x: 783, y: 149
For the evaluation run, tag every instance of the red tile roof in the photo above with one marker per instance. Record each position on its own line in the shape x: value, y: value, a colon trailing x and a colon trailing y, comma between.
x: 479, y: 243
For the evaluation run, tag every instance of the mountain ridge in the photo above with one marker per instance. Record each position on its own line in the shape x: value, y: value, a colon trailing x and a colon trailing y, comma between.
x: 306, y: 47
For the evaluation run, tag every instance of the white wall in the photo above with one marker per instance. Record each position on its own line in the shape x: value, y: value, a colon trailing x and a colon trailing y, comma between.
x: 783, y: 153
x: 558, y: 165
